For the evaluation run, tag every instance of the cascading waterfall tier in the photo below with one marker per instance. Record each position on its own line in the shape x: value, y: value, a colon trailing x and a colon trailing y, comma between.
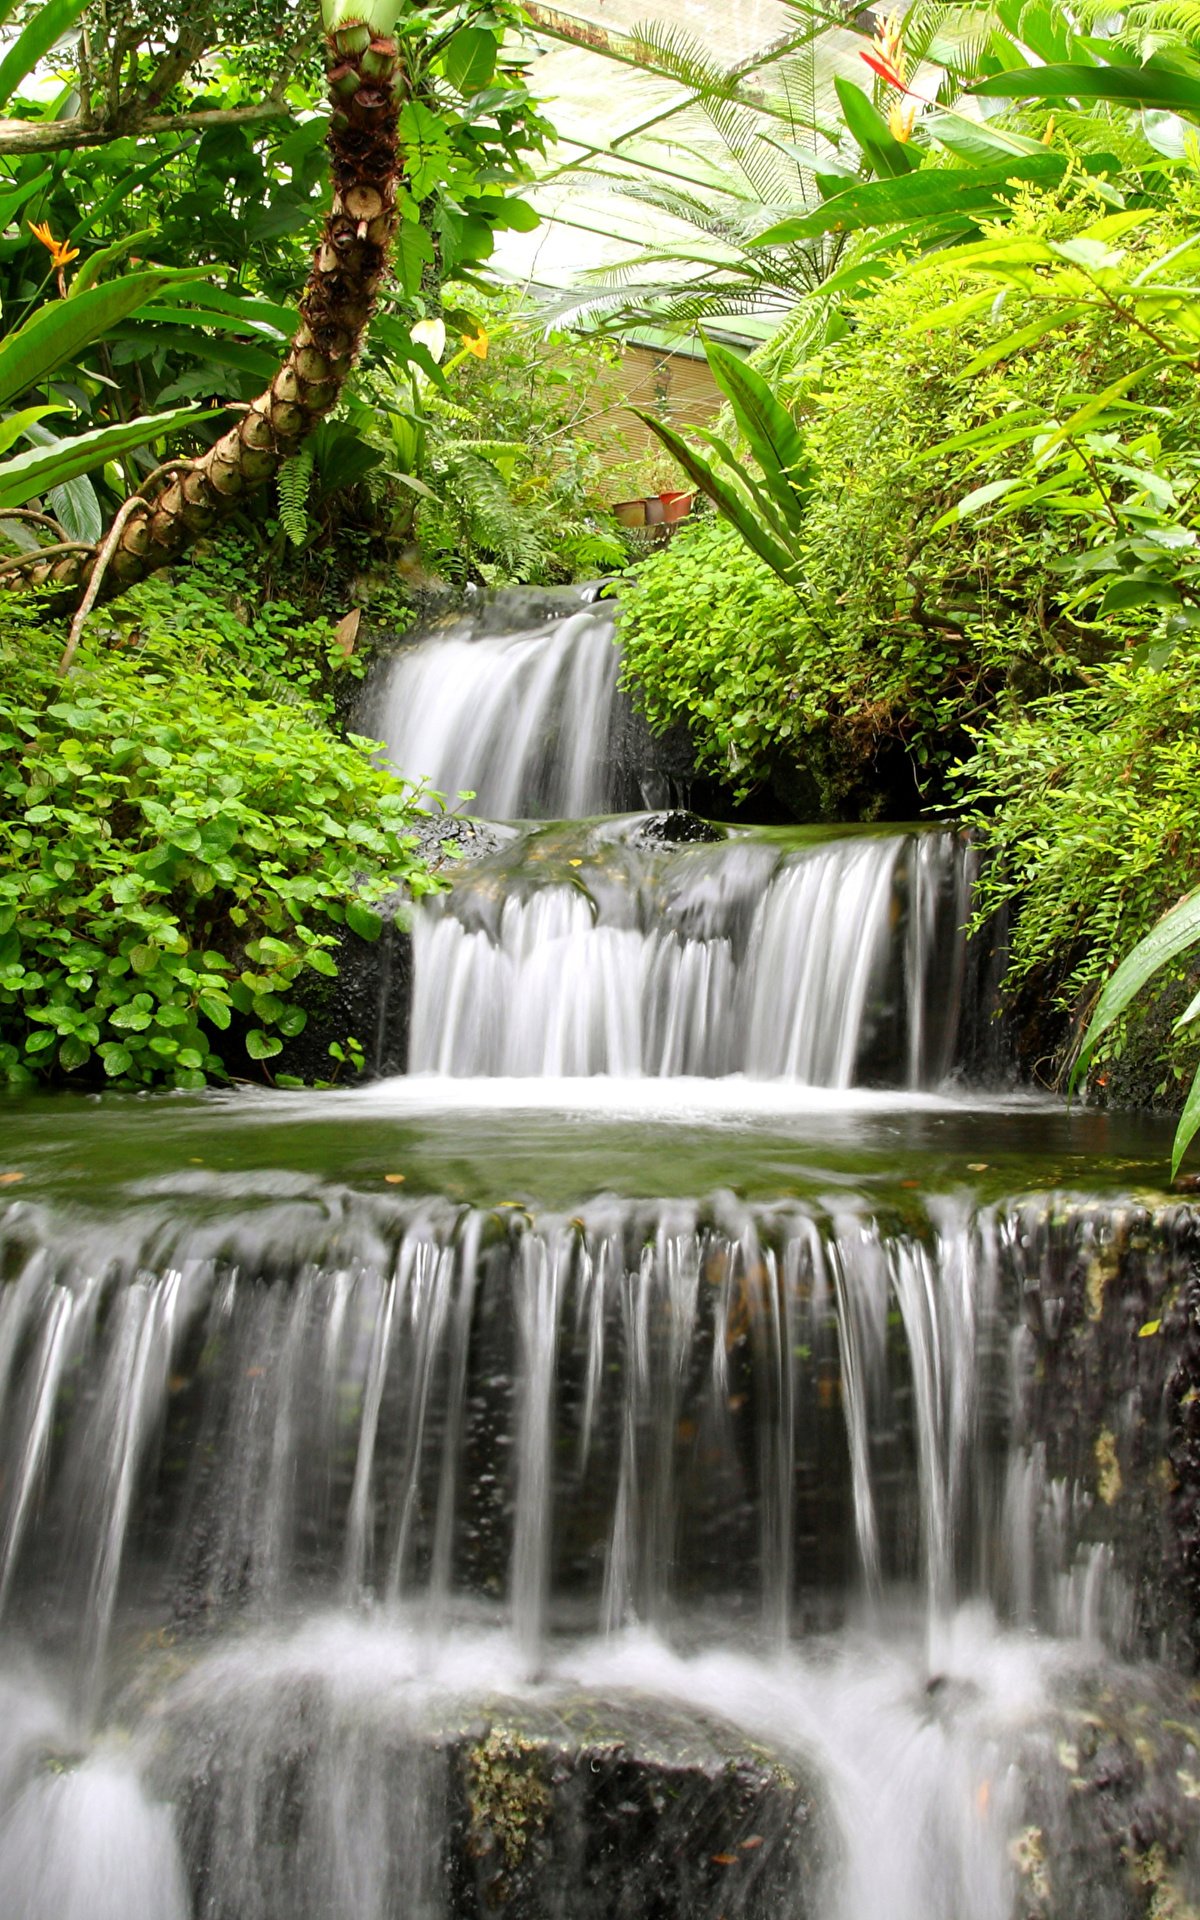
x: 600, y: 1418
x: 387, y: 1550
x: 515, y: 704
x: 832, y: 961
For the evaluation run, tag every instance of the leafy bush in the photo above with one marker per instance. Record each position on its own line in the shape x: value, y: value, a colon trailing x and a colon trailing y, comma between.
x: 179, y: 851
x: 709, y: 635
x: 508, y: 483
x: 899, y: 632
x: 1087, y: 804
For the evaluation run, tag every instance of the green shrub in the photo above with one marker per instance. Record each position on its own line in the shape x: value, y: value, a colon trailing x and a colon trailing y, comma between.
x: 179, y: 850
x: 1087, y: 805
x: 896, y: 635
x: 709, y: 635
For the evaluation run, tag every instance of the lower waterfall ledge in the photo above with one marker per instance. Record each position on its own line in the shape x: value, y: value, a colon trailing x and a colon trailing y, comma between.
x: 615, y: 1808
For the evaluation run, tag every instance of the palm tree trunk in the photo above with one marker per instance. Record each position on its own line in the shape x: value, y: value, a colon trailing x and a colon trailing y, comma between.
x: 366, y: 85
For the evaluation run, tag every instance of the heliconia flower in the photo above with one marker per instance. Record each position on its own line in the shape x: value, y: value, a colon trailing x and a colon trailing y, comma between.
x: 477, y: 342
x: 900, y: 122
x: 889, y: 35
x: 60, y: 252
x: 886, y: 72
x: 888, y: 58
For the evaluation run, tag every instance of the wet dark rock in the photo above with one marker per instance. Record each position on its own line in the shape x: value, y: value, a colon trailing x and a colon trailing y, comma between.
x: 369, y: 1001
x: 673, y: 828
x: 624, y: 1809
x: 1110, y: 1815
x: 1107, y: 1391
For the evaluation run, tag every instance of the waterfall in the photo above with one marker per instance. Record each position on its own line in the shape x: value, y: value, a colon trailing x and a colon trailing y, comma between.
x: 685, y: 1449
x: 522, y: 719
x: 678, y: 1401
x: 836, y: 964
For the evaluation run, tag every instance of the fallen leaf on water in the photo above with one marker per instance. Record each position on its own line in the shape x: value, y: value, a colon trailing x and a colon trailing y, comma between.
x: 574, y: 863
x: 1151, y: 1326
x: 977, y: 1166
x: 10, y: 1179
x: 755, y: 1840
x: 910, y: 1183
x: 725, y: 1859
x: 394, y: 1179
x: 255, y: 1373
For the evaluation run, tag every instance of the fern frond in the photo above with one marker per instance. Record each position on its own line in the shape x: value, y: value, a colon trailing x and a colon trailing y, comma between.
x: 294, y: 482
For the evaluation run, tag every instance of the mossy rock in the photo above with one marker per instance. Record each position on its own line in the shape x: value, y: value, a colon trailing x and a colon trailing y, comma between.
x: 573, y: 1808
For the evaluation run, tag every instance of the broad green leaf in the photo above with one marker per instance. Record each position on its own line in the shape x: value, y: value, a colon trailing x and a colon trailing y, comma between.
x: 360, y: 920
x: 76, y: 508
x: 975, y: 139
x: 973, y: 501
x: 262, y: 1046
x: 62, y: 329
x: 781, y: 514
x: 775, y: 440
x: 412, y: 253
x: 887, y: 155
x: 916, y: 196
x: 1178, y: 930
x: 1189, y: 1124
x: 470, y: 59
x: 1137, y: 593
x: 11, y: 203
x: 723, y: 496
x: 1051, y: 321
x: 41, y: 468
x: 97, y: 264
x: 1151, y: 85
x: 47, y: 25
x: 16, y: 424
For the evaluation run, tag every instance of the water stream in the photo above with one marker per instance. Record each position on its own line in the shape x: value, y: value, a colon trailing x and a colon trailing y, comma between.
x: 700, y: 1444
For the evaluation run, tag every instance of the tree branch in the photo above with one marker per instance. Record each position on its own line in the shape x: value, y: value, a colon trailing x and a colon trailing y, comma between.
x: 36, y: 136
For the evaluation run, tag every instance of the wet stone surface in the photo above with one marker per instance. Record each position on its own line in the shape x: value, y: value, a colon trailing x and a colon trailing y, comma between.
x: 623, y: 1808
x: 1111, y: 1815
x: 562, y: 1808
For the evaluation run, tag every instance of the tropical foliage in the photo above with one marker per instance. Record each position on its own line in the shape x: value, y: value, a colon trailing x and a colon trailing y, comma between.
x: 184, y: 843
x: 973, y: 464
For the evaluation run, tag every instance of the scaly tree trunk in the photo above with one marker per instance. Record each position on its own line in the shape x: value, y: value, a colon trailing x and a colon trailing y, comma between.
x: 366, y: 85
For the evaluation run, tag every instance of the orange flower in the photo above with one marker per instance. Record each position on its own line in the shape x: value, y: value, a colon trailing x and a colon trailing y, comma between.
x: 888, y: 58
x: 477, y: 342
x: 60, y: 253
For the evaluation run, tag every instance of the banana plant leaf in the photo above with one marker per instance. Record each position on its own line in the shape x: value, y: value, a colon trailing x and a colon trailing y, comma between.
x: 41, y: 468
x: 1132, y: 86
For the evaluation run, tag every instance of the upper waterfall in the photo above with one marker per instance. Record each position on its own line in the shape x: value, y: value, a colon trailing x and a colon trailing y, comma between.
x: 513, y: 702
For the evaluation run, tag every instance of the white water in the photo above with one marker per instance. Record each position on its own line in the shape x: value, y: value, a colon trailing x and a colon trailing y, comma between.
x: 520, y: 719
x: 654, y: 1377
x: 834, y: 965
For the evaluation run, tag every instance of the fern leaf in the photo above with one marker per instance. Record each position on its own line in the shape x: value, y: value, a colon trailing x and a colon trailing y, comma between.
x: 294, y: 482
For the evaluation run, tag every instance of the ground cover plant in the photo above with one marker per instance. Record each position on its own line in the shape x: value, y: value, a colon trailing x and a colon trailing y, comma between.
x: 184, y: 841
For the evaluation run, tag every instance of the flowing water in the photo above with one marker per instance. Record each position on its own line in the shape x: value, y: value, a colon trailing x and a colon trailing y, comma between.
x: 694, y: 1446
x: 514, y: 703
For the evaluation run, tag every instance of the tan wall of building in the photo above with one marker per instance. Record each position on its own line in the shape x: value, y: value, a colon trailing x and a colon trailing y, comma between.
x: 675, y: 385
